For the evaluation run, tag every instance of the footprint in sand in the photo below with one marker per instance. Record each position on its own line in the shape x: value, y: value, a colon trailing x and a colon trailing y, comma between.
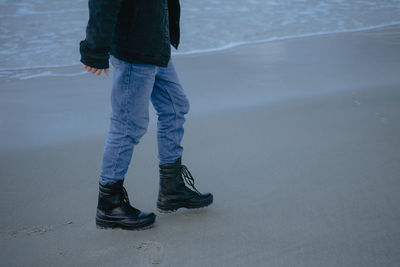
x: 381, y: 118
x: 154, y: 250
x: 35, y: 230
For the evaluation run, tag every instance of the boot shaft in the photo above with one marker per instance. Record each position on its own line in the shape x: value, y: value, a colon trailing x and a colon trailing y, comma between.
x: 110, y: 196
x: 170, y: 177
x: 169, y: 170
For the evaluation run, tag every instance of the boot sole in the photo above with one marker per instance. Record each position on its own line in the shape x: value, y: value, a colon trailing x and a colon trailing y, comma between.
x: 102, y: 224
x: 176, y: 206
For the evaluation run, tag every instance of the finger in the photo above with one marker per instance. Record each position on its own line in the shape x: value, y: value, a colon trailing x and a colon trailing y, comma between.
x: 98, y: 72
x: 106, y: 71
x: 93, y: 70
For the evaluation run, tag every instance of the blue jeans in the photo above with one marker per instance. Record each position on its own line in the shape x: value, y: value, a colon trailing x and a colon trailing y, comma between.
x: 134, y: 85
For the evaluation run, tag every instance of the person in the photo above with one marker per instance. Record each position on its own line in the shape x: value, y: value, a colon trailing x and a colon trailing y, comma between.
x: 136, y: 38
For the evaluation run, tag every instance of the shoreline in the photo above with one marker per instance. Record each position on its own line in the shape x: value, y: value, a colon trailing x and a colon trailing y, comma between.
x: 284, y: 38
x: 50, y: 71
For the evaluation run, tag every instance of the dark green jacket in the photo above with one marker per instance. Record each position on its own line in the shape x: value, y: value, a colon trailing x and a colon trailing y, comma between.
x: 137, y: 31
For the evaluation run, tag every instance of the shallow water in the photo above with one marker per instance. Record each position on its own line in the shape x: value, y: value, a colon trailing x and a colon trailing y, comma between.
x: 39, y: 34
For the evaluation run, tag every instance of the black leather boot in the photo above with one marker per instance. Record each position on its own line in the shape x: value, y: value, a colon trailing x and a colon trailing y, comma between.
x: 173, y: 193
x: 115, y: 211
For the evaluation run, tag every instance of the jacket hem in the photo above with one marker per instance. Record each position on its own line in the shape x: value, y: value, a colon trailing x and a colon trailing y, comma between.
x: 131, y: 57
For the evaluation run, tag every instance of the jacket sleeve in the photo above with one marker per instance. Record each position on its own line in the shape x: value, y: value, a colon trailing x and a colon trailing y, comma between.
x: 174, y: 11
x: 95, y: 48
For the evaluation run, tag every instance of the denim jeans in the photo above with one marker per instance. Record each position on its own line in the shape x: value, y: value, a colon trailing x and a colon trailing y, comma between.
x: 134, y: 85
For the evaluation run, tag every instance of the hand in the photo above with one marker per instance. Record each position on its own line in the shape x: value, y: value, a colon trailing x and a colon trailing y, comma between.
x: 94, y: 70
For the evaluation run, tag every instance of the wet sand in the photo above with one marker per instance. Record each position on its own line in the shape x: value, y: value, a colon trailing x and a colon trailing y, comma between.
x: 298, y: 140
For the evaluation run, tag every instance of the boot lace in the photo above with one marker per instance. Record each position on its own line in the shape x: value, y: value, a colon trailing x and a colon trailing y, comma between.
x: 187, y: 176
x: 125, y: 198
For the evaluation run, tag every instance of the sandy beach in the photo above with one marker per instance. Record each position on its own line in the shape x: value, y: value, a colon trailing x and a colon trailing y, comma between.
x: 298, y: 140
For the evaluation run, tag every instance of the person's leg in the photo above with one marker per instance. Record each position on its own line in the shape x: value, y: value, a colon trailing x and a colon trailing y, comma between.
x: 130, y: 97
x: 171, y: 104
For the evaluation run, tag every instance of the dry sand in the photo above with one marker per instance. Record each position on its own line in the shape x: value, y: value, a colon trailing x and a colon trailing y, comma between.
x: 298, y: 140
